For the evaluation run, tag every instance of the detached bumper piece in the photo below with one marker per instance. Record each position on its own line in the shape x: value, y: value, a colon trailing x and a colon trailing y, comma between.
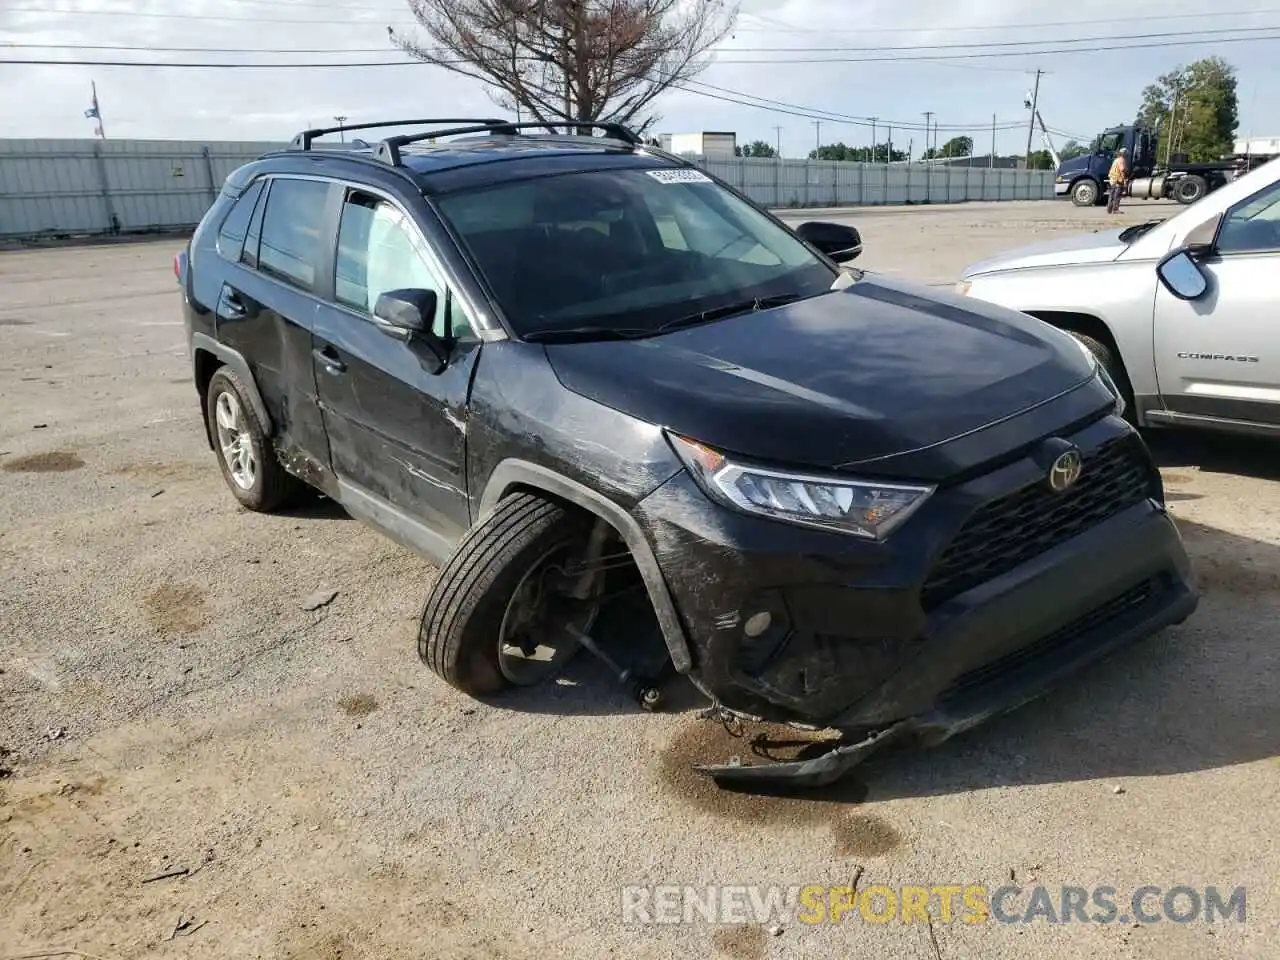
x: 990, y: 690
x: 806, y: 774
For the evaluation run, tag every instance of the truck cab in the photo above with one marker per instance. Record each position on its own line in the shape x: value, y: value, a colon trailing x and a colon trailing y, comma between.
x: 1083, y: 178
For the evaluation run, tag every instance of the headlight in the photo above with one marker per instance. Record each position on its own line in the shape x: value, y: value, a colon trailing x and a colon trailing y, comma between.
x: 962, y: 287
x: 863, y: 508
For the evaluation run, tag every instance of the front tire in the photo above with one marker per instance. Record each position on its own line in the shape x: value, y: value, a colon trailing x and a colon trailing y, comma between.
x: 245, y: 452
x: 495, y: 617
x: 1085, y: 193
x: 1110, y: 362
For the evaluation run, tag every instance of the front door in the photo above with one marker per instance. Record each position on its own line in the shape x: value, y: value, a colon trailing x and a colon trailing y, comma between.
x: 1219, y: 356
x: 397, y: 431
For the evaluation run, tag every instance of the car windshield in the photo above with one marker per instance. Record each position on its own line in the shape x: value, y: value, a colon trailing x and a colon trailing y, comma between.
x: 627, y: 251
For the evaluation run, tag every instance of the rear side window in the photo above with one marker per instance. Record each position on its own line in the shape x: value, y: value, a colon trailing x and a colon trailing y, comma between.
x: 236, y: 225
x: 291, y: 241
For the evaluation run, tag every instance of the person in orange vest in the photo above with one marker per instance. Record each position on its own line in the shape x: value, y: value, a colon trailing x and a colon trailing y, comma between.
x: 1116, y: 180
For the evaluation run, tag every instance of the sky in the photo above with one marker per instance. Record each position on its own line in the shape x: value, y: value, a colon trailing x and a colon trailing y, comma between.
x: 1080, y: 93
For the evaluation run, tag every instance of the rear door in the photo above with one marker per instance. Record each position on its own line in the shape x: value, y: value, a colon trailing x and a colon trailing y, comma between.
x: 1219, y: 356
x: 397, y: 431
x: 267, y: 304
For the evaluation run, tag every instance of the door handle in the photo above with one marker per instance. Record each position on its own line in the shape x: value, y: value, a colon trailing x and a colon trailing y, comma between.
x: 327, y: 357
x: 231, y: 307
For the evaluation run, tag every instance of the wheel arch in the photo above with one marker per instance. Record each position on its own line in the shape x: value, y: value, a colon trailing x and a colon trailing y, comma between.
x: 1088, y: 324
x: 207, y: 355
x: 521, y: 476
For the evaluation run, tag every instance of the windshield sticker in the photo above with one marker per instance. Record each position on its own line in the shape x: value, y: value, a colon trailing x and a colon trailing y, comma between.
x: 679, y: 176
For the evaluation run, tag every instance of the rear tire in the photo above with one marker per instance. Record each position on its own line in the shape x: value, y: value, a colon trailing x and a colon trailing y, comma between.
x: 1190, y: 189
x: 1085, y: 193
x: 245, y: 452
x: 1108, y: 360
x: 461, y: 634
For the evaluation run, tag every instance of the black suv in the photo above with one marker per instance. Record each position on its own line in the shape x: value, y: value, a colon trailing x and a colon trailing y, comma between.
x: 566, y: 365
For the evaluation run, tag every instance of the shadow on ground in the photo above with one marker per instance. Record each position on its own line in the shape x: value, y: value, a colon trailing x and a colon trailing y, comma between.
x: 1215, y: 453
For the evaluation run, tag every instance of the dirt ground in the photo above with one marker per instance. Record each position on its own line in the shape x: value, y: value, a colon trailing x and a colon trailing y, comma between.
x: 192, y: 765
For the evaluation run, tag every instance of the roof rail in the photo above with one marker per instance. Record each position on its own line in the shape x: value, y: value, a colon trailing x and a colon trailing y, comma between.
x: 388, y: 151
x: 304, y: 139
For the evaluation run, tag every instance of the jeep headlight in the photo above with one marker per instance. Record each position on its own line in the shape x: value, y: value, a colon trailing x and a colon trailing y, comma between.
x: 864, y: 508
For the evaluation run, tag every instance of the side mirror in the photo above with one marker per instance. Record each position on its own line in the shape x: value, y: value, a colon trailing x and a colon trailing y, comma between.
x: 408, y: 315
x: 839, y: 242
x: 1182, y: 276
x: 1202, y: 238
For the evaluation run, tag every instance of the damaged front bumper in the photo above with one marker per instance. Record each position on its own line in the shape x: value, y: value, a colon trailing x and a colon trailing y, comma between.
x: 870, y: 639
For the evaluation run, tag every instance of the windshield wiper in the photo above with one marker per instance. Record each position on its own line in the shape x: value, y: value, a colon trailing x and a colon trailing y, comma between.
x: 1129, y: 234
x: 579, y: 334
x: 729, y: 310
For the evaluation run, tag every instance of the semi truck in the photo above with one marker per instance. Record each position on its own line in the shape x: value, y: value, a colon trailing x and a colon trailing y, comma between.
x: 1084, y: 178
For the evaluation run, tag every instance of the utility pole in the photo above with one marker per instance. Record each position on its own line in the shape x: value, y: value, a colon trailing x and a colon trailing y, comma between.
x: 889, y: 152
x: 928, y: 116
x: 993, y: 140
x: 778, y: 131
x: 873, y: 138
x: 817, y: 138
x: 1031, y: 124
x: 342, y: 136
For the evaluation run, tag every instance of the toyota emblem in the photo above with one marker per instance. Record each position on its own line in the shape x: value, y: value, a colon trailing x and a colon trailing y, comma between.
x: 1065, y: 471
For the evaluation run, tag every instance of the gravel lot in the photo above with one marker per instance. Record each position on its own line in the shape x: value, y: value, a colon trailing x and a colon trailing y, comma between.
x: 167, y: 704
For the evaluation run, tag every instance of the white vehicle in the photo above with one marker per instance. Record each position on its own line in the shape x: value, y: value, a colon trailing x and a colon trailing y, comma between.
x: 1182, y: 313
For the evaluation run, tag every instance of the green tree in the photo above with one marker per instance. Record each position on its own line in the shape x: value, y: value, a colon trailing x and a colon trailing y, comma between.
x: 1041, y: 160
x: 957, y: 147
x: 756, y: 148
x: 1195, y: 109
x: 1072, y: 149
x: 839, y: 151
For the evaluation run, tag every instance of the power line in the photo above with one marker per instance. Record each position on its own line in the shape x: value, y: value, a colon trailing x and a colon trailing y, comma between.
x: 757, y: 60
x: 773, y: 26
x: 977, y: 45
x: 851, y: 118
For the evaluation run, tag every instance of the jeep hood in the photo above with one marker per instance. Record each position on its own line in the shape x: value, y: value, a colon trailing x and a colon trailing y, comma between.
x: 877, y: 369
x: 1100, y: 247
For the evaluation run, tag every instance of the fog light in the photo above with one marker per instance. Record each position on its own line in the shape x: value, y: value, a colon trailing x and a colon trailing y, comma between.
x: 757, y: 623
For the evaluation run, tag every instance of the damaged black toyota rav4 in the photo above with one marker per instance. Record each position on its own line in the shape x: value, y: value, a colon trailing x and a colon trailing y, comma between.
x: 562, y: 365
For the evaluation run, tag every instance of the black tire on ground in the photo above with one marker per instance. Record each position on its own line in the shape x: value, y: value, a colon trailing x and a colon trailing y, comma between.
x: 1085, y: 192
x: 1107, y: 358
x: 1189, y: 189
x: 272, y: 486
x: 462, y: 620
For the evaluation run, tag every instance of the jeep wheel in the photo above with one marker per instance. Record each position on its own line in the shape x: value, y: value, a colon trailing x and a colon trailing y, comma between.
x: 1108, y: 360
x: 500, y: 613
x: 1085, y: 193
x: 245, y: 454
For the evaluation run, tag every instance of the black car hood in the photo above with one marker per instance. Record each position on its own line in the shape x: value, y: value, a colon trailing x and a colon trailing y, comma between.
x: 877, y: 369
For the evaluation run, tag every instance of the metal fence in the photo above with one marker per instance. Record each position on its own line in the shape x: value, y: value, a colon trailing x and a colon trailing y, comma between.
x: 75, y: 187
x: 72, y: 187
x: 834, y: 183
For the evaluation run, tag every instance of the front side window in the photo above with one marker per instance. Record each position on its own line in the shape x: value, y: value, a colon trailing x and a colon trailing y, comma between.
x: 292, y: 228
x: 379, y: 249
x: 627, y: 250
x: 1252, y: 225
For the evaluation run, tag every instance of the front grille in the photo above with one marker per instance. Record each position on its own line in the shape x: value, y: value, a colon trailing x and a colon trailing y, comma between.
x: 1055, y: 643
x: 1018, y: 526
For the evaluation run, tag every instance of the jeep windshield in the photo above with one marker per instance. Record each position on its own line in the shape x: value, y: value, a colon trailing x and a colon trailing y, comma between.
x: 629, y: 252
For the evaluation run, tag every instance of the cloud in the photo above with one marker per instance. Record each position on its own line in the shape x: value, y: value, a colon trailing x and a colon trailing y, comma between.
x: 1080, y: 94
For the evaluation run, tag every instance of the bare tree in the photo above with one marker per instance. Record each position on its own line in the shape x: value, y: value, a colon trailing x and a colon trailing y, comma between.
x: 601, y: 60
